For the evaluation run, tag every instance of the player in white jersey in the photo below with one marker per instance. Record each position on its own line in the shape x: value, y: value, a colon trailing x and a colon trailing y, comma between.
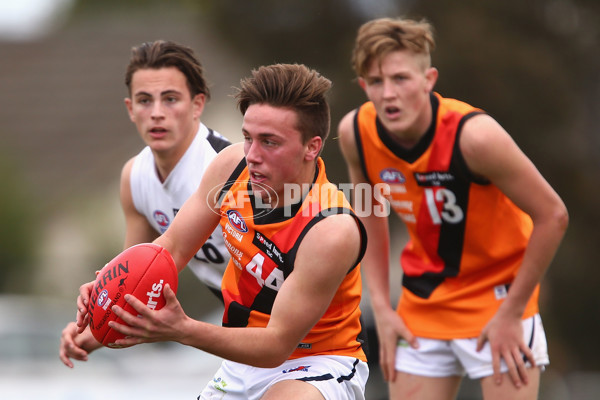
x: 159, y: 201
x: 167, y: 94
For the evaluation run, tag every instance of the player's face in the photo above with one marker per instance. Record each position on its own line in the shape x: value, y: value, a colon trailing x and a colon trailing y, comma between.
x: 163, y: 110
x: 275, y: 154
x: 399, y: 87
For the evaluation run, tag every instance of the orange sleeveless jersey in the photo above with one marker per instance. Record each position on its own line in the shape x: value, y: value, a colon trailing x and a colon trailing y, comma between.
x: 263, y: 245
x: 467, y: 239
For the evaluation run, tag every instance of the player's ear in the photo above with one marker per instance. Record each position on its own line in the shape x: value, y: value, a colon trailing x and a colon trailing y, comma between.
x: 313, y: 148
x: 198, y: 102
x: 362, y: 83
x: 128, y: 105
x: 431, y: 75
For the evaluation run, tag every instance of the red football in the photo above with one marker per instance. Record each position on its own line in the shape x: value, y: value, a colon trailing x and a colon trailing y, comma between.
x: 142, y: 270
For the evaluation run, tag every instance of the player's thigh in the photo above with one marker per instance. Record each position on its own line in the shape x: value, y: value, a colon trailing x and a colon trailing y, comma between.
x: 292, y: 389
x: 507, y: 389
x: 415, y: 387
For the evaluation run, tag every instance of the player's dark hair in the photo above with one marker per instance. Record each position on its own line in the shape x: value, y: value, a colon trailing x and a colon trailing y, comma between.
x: 292, y: 86
x: 162, y: 54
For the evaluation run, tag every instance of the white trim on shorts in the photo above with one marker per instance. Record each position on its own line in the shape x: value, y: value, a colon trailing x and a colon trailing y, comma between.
x: 336, y: 377
x: 459, y: 357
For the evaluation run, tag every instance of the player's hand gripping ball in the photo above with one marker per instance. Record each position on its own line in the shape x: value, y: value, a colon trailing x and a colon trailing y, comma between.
x: 142, y: 270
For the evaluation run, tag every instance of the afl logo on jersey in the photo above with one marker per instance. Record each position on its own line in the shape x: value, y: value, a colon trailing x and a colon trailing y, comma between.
x: 236, y: 220
x: 161, y: 218
x: 392, y: 175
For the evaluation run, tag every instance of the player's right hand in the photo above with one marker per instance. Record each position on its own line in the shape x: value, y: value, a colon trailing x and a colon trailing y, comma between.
x: 83, y: 318
x: 391, y: 328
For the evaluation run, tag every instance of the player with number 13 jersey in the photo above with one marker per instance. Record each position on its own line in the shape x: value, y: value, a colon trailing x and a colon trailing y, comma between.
x: 467, y: 238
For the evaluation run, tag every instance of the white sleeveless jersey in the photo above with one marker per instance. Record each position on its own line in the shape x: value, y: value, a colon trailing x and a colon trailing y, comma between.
x: 159, y: 201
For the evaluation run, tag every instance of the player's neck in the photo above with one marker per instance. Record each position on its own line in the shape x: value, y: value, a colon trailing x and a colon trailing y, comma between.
x: 408, y: 138
x: 166, y: 160
x: 302, y: 186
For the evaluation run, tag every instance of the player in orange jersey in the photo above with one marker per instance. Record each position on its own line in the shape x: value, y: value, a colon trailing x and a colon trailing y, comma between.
x: 484, y: 226
x: 292, y: 287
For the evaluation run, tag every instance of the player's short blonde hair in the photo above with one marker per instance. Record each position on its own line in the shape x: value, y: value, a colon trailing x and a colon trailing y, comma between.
x: 379, y: 37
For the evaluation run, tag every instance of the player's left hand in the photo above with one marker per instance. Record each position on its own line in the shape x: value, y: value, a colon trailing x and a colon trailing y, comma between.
x: 149, y: 325
x: 505, y: 337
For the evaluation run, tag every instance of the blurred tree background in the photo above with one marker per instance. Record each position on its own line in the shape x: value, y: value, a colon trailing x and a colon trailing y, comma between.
x: 533, y: 65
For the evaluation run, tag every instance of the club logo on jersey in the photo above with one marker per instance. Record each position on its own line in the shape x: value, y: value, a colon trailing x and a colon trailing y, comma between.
x: 161, y: 218
x: 392, y: 175
x: 237, y: 221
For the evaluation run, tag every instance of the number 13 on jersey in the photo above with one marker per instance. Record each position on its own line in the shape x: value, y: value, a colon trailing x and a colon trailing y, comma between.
x: 441, y: 203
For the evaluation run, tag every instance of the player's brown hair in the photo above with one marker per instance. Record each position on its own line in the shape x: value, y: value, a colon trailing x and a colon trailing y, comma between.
x: 161, y: 54
x: 379, y: 37
x: 293, y: 86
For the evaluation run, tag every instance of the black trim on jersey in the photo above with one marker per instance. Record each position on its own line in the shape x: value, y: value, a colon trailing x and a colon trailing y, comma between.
x: 278, y: 214
x: 218, y: 143
x: 359, y: 147
x: 232, y: 178
x: 263, y: 302
x: 460, y: 164
x: 237, y: 315
x: 291, y: 254
x: 411, y: 155
x: 452, y: 235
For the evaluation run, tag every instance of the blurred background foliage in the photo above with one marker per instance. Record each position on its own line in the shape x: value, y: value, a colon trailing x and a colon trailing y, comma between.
x: 533, y: 65
x: 18, y: 236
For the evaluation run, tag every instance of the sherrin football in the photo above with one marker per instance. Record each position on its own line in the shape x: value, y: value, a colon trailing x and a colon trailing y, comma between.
x: 142, y: 270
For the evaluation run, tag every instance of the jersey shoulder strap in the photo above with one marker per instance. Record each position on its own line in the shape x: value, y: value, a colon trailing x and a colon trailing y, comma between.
x: 217, y: 141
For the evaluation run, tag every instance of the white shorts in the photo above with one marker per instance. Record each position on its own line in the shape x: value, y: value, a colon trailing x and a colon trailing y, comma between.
x: 458, y: 357
x: 336, y: 377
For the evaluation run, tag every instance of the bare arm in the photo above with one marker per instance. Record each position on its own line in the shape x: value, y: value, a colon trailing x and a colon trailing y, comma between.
x: 137, y: 228
x: 376, y: 260
x: 490, y: 152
